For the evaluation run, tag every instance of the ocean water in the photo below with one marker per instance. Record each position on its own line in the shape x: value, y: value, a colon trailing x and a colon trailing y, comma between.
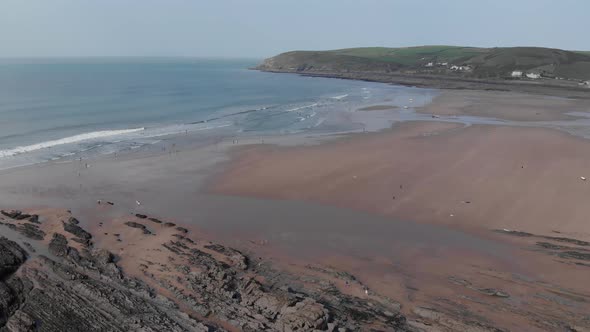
x: 56, y: 108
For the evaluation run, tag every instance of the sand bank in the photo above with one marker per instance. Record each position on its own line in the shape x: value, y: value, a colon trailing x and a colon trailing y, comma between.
x: 511, y: 106
x: 479, y: 176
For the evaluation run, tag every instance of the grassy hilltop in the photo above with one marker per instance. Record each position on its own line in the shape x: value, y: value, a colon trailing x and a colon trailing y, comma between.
x: 472, y: 62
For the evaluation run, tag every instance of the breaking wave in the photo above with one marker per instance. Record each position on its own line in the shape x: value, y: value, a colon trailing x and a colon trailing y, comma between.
x: 67, y: 140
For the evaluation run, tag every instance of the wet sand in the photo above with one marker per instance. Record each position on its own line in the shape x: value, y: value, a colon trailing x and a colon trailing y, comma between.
x: 512, y: 106
x: 408, y: 212
x: 378, y: 108
x: 483, y: 177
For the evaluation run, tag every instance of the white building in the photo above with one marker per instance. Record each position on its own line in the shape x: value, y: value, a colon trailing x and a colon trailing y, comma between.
x: 533, y: 75
x: 430, y: 64
x: 460, y: 68
x: 517, y: 73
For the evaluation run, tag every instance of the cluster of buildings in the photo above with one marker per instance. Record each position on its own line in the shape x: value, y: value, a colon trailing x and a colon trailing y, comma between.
x: 519, y: 73
x: 446, y: 65
x: 515, y: 74
x: 461, y: 68
x: 439, y: 64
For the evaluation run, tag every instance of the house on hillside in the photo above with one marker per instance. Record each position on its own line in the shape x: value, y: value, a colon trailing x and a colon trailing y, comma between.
x: 430, y: 64
x: 516, y: 73
x: 461, y: 68
x: 533, y: 76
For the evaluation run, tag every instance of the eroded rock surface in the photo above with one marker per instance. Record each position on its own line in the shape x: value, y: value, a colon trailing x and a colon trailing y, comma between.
x: 75, y: 286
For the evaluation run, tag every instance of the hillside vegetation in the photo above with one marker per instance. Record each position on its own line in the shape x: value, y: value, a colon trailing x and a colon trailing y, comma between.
x: 450, y: 60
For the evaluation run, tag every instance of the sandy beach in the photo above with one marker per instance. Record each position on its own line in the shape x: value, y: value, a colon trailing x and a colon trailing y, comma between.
x: 512, y: 106
x: 406, y: 217
x: 479, y: 176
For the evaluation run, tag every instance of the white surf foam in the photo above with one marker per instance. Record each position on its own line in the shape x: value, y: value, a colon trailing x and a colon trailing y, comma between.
x: 67, y: 140
x: 340, y: 97
x: 302, y: 107
x: 319, y: 122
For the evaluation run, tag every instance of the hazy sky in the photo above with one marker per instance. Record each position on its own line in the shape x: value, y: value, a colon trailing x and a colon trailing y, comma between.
x: 261, y: 28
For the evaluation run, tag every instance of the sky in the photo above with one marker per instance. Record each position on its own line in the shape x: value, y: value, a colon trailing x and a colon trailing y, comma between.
x: 263, y: 28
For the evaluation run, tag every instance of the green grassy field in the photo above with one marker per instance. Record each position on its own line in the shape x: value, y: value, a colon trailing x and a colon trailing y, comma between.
x: 410, y: 56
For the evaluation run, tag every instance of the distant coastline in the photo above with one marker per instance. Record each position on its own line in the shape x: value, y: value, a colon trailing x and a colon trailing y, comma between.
x: 530, y: 70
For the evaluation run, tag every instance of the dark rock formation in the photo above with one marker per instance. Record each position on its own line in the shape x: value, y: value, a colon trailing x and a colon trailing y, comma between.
x: 575, y: 255
x: 11, y: 256
x: 229, y: 293
x: 86, y: 291
x: 22, y: 216
x: 58, y: 245
x: 140, y: 216
x: 157, y: 221
x: 182, y: 229
x: 134, y: 224
x: 72, y: 227
x: 236, y: 257
x: 13, y: 214
x: 34, y: 219
x: 31, y: 231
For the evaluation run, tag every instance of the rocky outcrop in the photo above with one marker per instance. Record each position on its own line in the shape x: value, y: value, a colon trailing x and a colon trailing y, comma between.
x: 12, y: 256
x: 13, y: 214
x: 72, y: 227
x: 157, y: 221
x: 182, y: 230
x: 237, y: 258
x: 58, y: 245
x: 225, y: 287
x: 134, y: 224
x: 84, y: 289
x: 79, y: 294
x: 31, y: 231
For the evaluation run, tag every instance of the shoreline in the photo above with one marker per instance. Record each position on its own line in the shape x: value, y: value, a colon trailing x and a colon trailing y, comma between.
x: 450, y: 82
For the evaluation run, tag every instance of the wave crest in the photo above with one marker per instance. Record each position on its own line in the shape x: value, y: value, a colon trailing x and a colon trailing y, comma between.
x: 67, y: 140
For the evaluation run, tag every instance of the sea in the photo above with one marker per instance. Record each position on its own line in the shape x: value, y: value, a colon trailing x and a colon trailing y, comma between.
x: 58, y: 108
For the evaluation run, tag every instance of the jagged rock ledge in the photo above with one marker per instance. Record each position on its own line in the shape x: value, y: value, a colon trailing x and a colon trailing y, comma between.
x: 73, y: 285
